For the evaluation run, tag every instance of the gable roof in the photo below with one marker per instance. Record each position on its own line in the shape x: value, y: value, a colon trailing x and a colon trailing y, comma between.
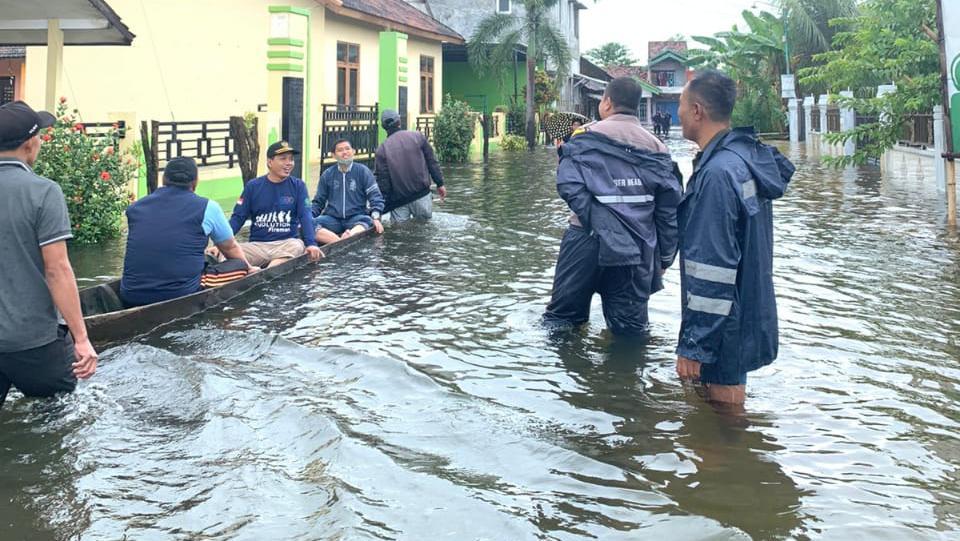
x: 637, y: 72
x: 654, y: 48
x: 395, y: 15
x: 590, y: 69
x: 84, y: 22
x: 668, y: 55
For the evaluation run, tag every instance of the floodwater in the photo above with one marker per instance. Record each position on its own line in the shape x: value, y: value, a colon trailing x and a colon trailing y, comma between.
x: 405, y: 391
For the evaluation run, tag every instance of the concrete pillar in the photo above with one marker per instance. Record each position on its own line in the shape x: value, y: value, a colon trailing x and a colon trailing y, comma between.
x: 54, y: 64
x: 939, y: 147
x: 394, y: 78
x: 823, y: 102
x: 288, y: 79
x: 883, y: 90
x: 848, y: 121
x: 808, y: 103
x: 794, y: 120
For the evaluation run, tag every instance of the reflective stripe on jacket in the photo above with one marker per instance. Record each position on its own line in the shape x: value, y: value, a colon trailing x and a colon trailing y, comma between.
x: 726, y: 252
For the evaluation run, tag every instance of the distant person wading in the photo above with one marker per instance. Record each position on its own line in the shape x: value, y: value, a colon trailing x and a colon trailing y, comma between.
x: 404, y: 165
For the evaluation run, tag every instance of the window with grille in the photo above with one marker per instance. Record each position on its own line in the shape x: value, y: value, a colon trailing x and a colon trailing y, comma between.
x: 426, y: 84
x: 348, y: 73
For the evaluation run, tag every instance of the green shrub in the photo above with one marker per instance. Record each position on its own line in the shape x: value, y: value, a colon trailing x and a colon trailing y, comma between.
x: 517, y: 119
x: 513, y: 143
x: 453, y: 131
x: 92, y: 172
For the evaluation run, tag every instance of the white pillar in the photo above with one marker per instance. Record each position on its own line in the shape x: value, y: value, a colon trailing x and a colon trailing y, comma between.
x: 939, y: 147
x: 54, y: 64
x: 794, y: 120
x: 822, y: 102
x: 883, y: 90
x: 808, y: 103
x: 848, y: 121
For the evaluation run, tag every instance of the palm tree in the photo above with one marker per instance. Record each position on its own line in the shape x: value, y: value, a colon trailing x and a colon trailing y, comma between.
x: 500, y: 35
x: 808, y: 21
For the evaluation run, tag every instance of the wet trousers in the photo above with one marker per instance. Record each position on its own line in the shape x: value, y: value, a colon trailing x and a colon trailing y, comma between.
x: 42, y: 371
x: 579, y: 276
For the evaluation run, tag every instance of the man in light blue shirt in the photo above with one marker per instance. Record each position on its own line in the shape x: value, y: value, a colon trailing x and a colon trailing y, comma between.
x: 169, y: 230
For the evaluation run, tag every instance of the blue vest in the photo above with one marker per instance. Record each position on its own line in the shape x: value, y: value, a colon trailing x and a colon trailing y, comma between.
x: 165, y: 245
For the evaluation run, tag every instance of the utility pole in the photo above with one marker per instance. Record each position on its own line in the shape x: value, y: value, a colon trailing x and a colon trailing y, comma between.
x: 951, y: 169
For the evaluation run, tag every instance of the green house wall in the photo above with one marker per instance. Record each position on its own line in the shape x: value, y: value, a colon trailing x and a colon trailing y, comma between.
x: 461, y: 82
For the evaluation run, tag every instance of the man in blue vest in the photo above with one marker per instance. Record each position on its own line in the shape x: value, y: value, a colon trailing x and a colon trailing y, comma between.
x: 729, y: 318
x: 278, y: 207
x: 168, y: 235
x: 348, y: 200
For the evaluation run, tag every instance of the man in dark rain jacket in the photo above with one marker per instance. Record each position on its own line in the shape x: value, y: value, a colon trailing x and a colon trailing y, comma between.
x: 729, y: 324
x: 623, y: 189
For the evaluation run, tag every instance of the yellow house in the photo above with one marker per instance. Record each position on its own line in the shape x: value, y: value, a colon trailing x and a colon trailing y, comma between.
x: 207, y: 60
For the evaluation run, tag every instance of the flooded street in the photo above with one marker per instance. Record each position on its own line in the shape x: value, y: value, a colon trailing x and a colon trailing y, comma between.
x: 405, y: 391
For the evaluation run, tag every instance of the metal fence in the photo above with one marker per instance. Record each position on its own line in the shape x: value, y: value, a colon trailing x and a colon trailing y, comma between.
x: 208, y: 142
x: 917, y: 131
x: 815, y: 119
x: 425, y: 126
x: 833, y: 119
x: 106, y: 129
x: 357, y: 123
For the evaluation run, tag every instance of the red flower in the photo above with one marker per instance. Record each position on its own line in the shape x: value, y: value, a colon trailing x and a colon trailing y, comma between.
x: 46, y: 138
x: 78, y: 127
x: 109, y: 151
x: 63, y: 99
x: 104, y: 176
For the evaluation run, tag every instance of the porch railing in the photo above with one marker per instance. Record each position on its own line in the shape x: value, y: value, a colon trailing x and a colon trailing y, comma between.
x: 105, y: 129
x: 357, y: 123
x: 425, y: 126
x: 833, y: 119
x: 208, y: 142
x: 917, y: 131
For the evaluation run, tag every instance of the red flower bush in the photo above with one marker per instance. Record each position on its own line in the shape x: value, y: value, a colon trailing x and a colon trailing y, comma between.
x: 93, y: 173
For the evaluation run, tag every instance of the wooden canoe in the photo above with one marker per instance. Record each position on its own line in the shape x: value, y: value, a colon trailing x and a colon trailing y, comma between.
x: 108, y: 321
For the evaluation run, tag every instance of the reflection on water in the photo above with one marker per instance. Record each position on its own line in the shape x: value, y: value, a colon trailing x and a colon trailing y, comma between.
x: 405, y: 391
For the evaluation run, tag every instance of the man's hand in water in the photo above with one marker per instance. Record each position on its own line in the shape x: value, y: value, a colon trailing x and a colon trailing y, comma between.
x: 442, y: 191
x: 688, y: 369
x: 314, y: 253
x: 86, y: 359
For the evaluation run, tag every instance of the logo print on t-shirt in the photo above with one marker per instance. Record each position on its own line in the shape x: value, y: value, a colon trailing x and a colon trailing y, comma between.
x: 274, y: 222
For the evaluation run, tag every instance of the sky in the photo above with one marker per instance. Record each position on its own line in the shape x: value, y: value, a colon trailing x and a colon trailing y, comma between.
x: 635, y: 22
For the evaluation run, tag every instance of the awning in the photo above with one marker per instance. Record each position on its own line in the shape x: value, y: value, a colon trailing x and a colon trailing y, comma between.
x: 589, y: 83
x: 83, y: 22
x: 56, y: 23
